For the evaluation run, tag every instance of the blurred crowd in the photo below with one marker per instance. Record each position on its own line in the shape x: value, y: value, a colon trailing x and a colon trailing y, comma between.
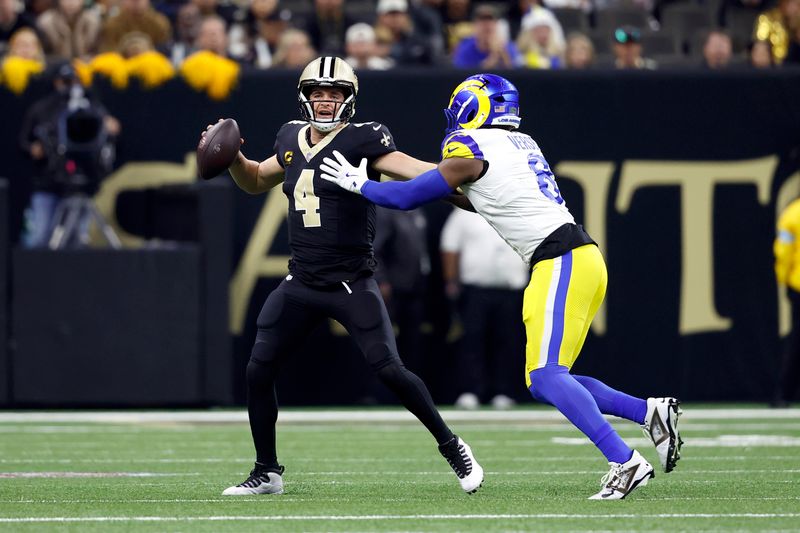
x: 154, y: 39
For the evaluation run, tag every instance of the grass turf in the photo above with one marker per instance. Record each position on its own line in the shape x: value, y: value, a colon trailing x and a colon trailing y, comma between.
x: 736, y: 474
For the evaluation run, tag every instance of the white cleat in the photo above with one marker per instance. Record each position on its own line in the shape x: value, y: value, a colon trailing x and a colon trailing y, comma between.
x: 258, y: 482
x: 661, y: 427
x: 459, y: 455
x: 623, y: 478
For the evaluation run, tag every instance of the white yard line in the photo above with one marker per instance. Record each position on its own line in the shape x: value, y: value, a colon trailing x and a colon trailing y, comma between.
x: 354, y: 518
x: 533, y: 461
x: 289, y: 499
x: 352, y: 473
x: 288, y: 415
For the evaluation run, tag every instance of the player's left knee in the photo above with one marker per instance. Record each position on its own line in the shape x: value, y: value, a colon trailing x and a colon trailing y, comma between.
x: 542, y: 378
x: 261, y: 373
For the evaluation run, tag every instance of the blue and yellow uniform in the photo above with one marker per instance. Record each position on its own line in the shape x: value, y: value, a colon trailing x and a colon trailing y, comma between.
x: 518, y: 195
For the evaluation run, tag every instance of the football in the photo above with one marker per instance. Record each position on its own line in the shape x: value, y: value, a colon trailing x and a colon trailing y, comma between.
x: 218, y: 148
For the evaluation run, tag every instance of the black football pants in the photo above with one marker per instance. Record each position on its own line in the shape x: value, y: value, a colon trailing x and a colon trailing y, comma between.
x: 291, y: 311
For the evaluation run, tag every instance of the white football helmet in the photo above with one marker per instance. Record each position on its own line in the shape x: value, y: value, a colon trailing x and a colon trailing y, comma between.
x: 328, y: 71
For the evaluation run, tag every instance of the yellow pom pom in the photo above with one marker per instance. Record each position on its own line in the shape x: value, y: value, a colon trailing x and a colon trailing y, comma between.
x: 17, y: 72
x: 209, y: 72
x: 152, y: 68
x: 113, y: 66
x: 84, y: 72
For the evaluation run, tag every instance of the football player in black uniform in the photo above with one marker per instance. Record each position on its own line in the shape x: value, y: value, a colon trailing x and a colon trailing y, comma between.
x: 332, y: 262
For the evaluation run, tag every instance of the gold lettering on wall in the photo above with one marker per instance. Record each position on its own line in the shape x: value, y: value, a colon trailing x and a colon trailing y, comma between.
x: 595, y: 180
x: 697, y: 181
x: 140, y: 175
x: 788, y: 192
x: 256, y: 262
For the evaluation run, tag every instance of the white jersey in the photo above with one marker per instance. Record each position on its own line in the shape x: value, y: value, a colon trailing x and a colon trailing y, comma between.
x: 518, y: 195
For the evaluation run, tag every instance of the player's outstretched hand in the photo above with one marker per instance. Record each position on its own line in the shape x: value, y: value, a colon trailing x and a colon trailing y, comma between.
x: 343, y: 174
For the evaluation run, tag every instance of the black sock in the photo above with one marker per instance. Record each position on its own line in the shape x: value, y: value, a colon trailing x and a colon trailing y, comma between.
x: 262, y: 406
x: 414, y: 395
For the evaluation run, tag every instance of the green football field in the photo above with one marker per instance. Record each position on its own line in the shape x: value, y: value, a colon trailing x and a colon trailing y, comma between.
x: 377, y: 470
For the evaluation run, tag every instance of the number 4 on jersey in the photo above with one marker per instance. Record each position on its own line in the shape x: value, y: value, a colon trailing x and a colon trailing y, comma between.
x: 306, y: 201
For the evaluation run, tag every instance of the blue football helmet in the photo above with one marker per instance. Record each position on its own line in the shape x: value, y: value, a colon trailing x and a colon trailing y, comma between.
x: 483, y: 100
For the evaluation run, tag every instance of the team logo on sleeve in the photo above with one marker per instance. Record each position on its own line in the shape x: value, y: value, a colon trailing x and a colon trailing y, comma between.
x: 287, y: 157
x: 386, y: 140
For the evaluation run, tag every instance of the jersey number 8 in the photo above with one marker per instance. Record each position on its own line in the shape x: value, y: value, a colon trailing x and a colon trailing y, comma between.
x: 546, y: 179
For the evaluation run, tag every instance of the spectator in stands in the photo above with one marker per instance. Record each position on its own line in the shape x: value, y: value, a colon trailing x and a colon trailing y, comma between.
x: 361, y: 48
x: 11, y: 20
x: 628, y: 50
x: 717, y: 50
x: 787, y: 272
x: 294, y: 50
x: 580, y: 51
x: 397, y: 32
x: 779, y: 26
x: 134, y: 44
x: 541, y: 41
x: 210, y: 8
x: 70, y: 30
x: 457, y: 22
x: 517, y: 11
x: 23, y: 60
x: 25, y: 44
x: 759, y: 55
x: 212, y: 36
x: 187, y: 23
x: 327, y: 25
x: 583, y: 5
x: 35, y: 8
x: 427, y: 24
x: 261, y: 30
x: 135, y: 15
x: 489, y: 47
x: 488, y: 278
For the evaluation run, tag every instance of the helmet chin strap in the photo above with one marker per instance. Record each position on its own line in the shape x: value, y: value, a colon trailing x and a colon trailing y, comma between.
x: 324, y: 127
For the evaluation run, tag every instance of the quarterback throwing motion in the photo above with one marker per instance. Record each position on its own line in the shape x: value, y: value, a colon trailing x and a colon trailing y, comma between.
x: 508, y: 181
x: 331, y: 266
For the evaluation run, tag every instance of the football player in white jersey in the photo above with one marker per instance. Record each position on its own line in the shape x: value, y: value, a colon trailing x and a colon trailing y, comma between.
x: 506, y: 177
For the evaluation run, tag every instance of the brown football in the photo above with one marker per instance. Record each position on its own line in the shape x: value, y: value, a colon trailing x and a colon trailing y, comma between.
x: 218, y: 148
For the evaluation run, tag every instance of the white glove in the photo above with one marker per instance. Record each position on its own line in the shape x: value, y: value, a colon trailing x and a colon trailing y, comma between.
x: 343, y: 174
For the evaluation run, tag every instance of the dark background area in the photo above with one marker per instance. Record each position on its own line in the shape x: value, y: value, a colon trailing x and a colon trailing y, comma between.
x: 574, y: 116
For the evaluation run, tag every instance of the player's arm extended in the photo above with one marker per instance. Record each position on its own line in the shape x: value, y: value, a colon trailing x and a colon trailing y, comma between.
x: 254, y: 177
x: 432, y: 185
x: 401, y: 166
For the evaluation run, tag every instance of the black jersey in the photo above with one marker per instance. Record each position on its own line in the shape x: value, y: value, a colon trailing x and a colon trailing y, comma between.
x: 330, y: 229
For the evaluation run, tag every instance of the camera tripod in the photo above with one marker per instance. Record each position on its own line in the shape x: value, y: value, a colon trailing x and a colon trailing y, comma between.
x: 71, y: 219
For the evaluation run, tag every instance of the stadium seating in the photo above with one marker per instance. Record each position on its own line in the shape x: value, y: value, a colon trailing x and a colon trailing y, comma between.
x: 572, y: 19
x: 685, y: 19
x: 660, y: 42
x: 611, y: 18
